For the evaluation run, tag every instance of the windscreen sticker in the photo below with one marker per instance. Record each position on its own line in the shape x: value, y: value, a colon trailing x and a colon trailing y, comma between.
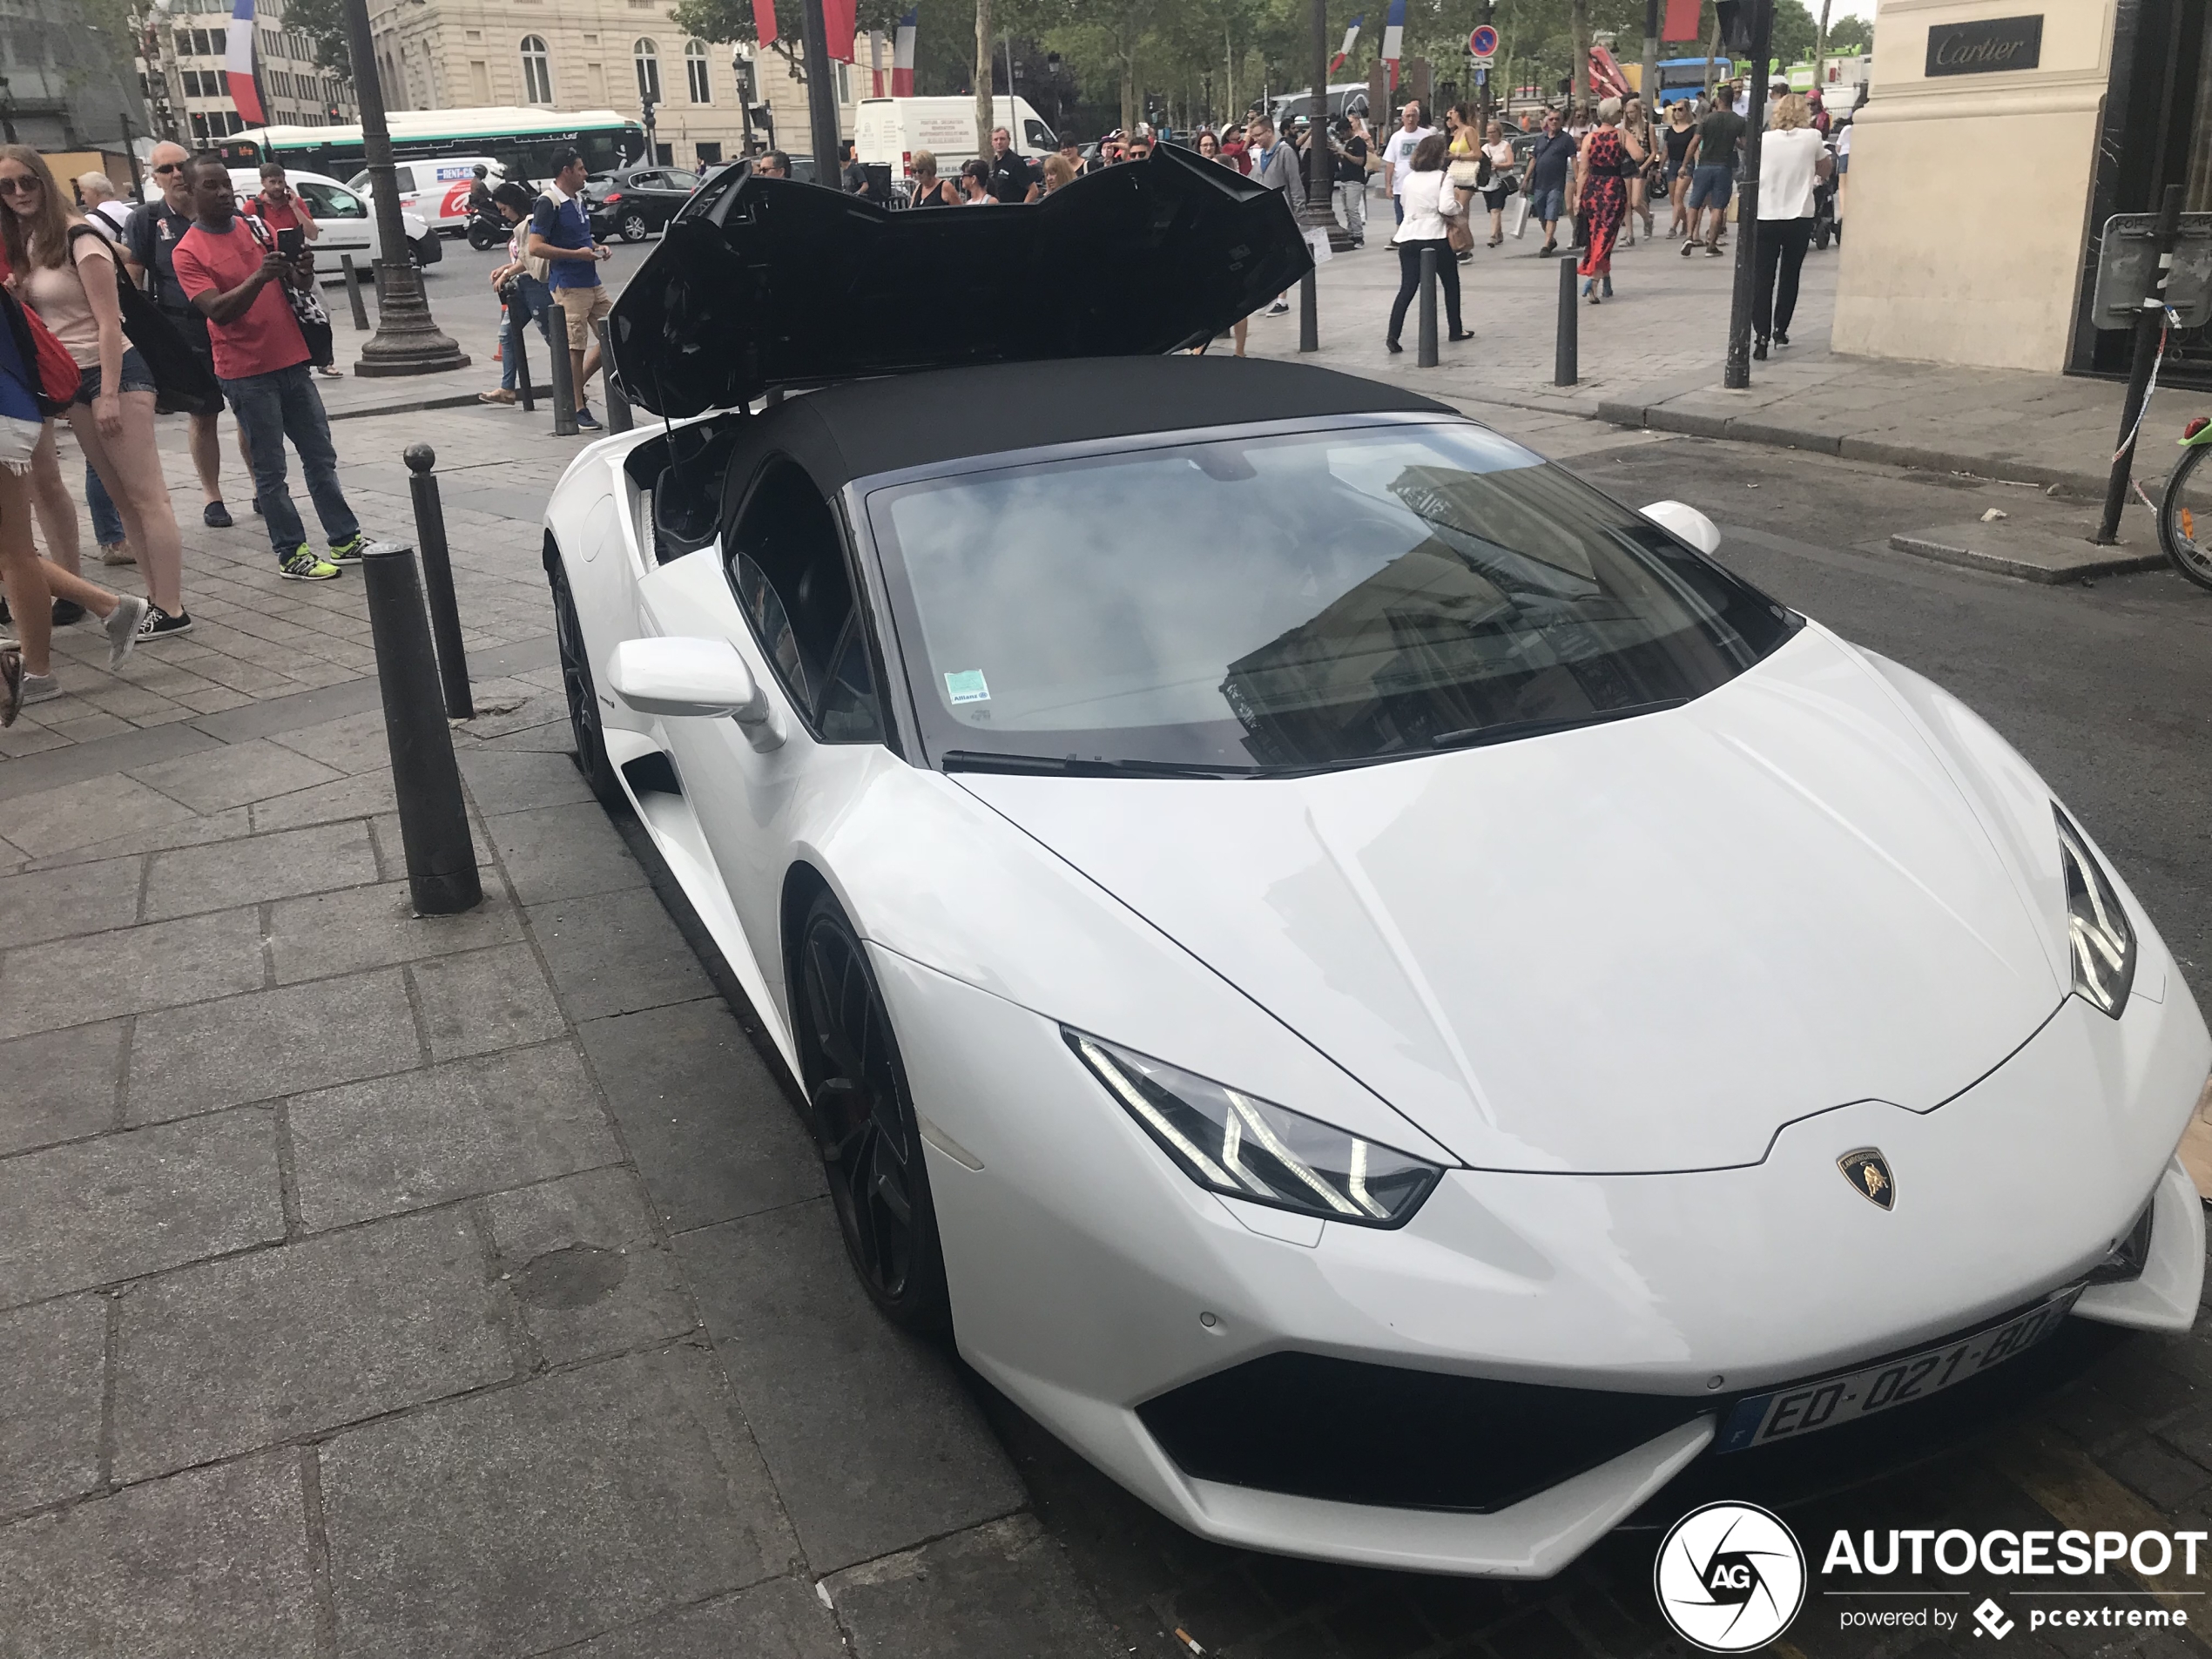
x: 966, y: 686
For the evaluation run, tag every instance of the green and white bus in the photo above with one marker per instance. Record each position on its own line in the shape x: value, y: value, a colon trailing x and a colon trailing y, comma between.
x: 524, y: 140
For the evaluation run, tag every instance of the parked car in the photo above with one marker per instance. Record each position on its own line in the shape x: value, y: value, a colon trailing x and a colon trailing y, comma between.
x: 345, y: 219
x: 438, y: 191
x: 1388, y: 999
x: 631, y: 203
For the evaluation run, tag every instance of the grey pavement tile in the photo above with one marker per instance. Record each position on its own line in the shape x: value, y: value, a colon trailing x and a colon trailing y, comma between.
x: 59, y: 1085
x: 352, y: 743
x: 95, y: 1211
x: 875, y: 1444
x: 562, y: 851
x: 579, y: 1257
x: 214, y: 1561
x: 185, y: 832
x: 513, y: 783
x: 70, y: 981
x: 486, y: 1000
x: 531, y: 1517
x: 230, y: 1356
x: 97, y: 809
x: 280, y: 866
x: 234, y: 774
x: 615, y: 953
x: 82, y: 899
x: 1002, y: 1588
x: 451, y: 1131
x: 364, y: 796
x: 52, y: 1359
x: 707, y: 1124
x: 268, y: 1043
x: 782, y: 1619
x: 340, y: 933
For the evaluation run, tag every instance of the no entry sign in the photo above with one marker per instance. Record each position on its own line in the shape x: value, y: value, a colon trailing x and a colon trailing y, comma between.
x: 1483, y: 43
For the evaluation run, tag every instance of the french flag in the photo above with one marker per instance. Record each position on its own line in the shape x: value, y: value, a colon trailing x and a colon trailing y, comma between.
x: 1351, y: 39
x: 238, y: 65
x: 903, y: 56
x: 1393, y: 39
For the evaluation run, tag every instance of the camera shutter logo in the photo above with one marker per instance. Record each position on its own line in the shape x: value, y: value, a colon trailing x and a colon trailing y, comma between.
x: 1729, y: 1577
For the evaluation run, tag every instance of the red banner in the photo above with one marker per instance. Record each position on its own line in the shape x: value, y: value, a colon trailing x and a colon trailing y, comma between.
x: 1681, y: 21
x: 839, y: 24
x: 763, y: 20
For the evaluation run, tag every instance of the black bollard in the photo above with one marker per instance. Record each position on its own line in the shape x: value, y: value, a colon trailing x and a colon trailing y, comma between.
x: 1309, y: 312
x: 437, y: 582
x: 523, y: 389
x: 1567, y: 359
x: 1427, y: 348
x: 618, y: 415
x: 353, y: 292
x: 565, y: 424
x: 434, y: 825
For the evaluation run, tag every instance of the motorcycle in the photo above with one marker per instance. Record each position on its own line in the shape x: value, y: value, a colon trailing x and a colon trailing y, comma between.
x: 487, y: 230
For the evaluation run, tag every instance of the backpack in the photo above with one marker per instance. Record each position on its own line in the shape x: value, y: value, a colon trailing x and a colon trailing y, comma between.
x: 181, y: 376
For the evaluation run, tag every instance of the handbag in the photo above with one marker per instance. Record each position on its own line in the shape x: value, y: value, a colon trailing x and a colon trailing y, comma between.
x: 1458, y: 235
x: 58, y: 375
x: 181, y: 377
x: 307, y: 307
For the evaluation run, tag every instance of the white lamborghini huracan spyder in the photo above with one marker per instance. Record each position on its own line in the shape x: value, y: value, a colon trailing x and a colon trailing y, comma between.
x: 1389, y: 1001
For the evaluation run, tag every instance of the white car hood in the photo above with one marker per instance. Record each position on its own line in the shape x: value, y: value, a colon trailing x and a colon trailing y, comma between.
x: 1637, y: 946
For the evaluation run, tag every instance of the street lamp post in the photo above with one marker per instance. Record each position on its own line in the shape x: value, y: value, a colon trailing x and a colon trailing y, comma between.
x: 821, y: 94
x: 1319, y: 181
x: 407, y: 341
x: 1737, y: 374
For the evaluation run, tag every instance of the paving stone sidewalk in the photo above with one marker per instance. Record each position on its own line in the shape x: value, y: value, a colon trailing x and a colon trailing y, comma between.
x: 1652, y: 356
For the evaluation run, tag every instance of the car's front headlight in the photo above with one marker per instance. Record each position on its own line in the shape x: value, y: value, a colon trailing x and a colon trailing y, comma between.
x: 1228, y: 1142
x: 2099, y: 938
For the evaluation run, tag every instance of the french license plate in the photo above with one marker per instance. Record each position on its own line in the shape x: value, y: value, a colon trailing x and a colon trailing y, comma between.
x: 1806, y: 1408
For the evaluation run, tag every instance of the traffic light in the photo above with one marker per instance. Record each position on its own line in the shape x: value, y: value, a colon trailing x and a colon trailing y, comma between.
x: 648, y: 115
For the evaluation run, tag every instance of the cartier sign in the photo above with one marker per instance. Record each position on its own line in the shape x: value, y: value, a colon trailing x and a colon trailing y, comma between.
x: 1986, y: 48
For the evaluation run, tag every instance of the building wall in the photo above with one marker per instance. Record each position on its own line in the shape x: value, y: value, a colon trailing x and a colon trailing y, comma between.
x: 187, y: 76
x: 1952, y: 256
x: 65, y: 86
x: 454, y: 54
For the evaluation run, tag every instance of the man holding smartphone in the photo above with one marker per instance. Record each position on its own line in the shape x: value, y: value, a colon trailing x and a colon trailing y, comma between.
x: 560, y: 235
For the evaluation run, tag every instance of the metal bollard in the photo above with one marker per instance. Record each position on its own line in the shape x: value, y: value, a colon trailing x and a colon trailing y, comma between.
x: 437, y: 582
x: 1566, y: 362
x: 523, y: 389
x: 353, y: 292
x: 434, y: 825
x: 619, y: 418
x: 1427, y: 358
x: 1309, y: 312
x: 563, y: 383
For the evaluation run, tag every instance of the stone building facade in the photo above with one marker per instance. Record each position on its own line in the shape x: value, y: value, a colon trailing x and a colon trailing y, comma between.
x: 181, y: 67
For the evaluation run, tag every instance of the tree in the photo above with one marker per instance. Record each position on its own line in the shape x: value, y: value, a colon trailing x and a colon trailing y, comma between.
x: 1847, y: 36
x: 1795, y: 31
x: 323, y: 21
x: 732, y: 20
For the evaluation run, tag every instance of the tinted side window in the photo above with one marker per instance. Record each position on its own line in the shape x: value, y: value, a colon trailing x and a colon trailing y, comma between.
x: 787, y: 568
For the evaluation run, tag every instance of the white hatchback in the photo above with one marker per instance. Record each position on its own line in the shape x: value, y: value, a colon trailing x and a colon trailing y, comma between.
x: 345, y: 219
x: 438, y: 191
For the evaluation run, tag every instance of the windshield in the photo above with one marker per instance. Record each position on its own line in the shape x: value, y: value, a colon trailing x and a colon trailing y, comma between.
x: 1281, y: 603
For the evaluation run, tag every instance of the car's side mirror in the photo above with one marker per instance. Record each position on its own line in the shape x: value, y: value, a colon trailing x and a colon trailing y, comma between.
x: 688, y: 679
x: 1688, y: 522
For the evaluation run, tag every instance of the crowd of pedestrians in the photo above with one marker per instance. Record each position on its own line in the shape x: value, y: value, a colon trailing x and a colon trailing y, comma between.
x: 189, y: 303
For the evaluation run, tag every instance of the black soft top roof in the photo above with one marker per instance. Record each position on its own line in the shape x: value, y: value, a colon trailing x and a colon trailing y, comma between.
x: 862, y: 427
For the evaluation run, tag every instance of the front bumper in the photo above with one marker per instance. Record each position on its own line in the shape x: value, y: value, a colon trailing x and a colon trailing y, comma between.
x: 1090, y: 1279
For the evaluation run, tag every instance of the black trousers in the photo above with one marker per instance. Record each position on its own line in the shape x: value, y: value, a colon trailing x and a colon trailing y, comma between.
x: 1781, y: 256
x: 1409, y: 281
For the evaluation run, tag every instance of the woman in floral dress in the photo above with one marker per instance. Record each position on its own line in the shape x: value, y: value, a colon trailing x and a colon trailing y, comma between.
x: 1601, y: 193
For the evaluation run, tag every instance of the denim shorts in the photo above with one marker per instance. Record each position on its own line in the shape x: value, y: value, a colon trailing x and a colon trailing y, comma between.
x: 1545, y: 206
x: 136, y: 377
x: 1711, y: 187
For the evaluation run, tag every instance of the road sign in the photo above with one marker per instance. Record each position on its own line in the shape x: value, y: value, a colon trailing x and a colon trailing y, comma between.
x: 1482, y: 44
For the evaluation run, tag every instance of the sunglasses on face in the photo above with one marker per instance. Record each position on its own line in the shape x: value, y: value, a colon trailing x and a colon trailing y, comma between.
x: 21, y: 185
x: 169, y: 166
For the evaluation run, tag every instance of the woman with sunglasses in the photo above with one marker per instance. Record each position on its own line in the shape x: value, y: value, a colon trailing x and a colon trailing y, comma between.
x: 65, y: 271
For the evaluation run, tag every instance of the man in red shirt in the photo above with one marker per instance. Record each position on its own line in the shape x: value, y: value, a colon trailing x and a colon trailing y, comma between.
x: 237, y: 282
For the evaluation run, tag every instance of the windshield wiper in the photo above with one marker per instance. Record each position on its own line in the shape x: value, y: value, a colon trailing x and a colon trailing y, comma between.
x: 1070, y: 766
x: 1475, y: 736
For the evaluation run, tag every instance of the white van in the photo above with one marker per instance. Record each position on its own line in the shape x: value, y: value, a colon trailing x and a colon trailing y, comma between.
x: 887, y: 130
x: 439, y: 190
x: 345, y: 220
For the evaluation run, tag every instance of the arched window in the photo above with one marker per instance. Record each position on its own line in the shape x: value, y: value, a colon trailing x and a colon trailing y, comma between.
x: 648, y: 56
x: 537, y: 71
x: 695, y: 72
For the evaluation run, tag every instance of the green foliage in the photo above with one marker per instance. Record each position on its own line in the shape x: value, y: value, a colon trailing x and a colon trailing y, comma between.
x: 720, y: 20
x: 323, y: 21
x: 1849, y: 36
x: 1795, y: 30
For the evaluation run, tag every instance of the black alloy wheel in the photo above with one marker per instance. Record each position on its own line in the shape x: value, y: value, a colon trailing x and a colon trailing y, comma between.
x: 583, y: 697
x: 634, y: 226
x: 863, y: 1126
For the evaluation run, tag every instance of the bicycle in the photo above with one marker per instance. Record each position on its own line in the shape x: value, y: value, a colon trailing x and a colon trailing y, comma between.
x: 2186, y: 508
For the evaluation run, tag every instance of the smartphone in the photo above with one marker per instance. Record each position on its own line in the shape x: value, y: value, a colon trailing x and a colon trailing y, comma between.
x: 290, y: 241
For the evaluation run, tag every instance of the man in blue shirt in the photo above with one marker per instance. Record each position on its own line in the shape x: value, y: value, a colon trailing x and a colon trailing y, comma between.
x: 560, y: 235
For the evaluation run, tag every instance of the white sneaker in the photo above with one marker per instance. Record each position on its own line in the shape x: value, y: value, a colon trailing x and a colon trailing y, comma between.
x: 117, y: 553
x: 122, y: 628
x: 39, y: 688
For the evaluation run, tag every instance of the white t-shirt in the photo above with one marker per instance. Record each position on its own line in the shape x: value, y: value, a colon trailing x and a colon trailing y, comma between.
x: 1398, y: 155
x: 1787, y: 160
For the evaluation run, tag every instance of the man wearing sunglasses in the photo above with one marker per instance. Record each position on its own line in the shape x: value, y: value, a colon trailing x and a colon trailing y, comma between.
x: 150, y: 240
